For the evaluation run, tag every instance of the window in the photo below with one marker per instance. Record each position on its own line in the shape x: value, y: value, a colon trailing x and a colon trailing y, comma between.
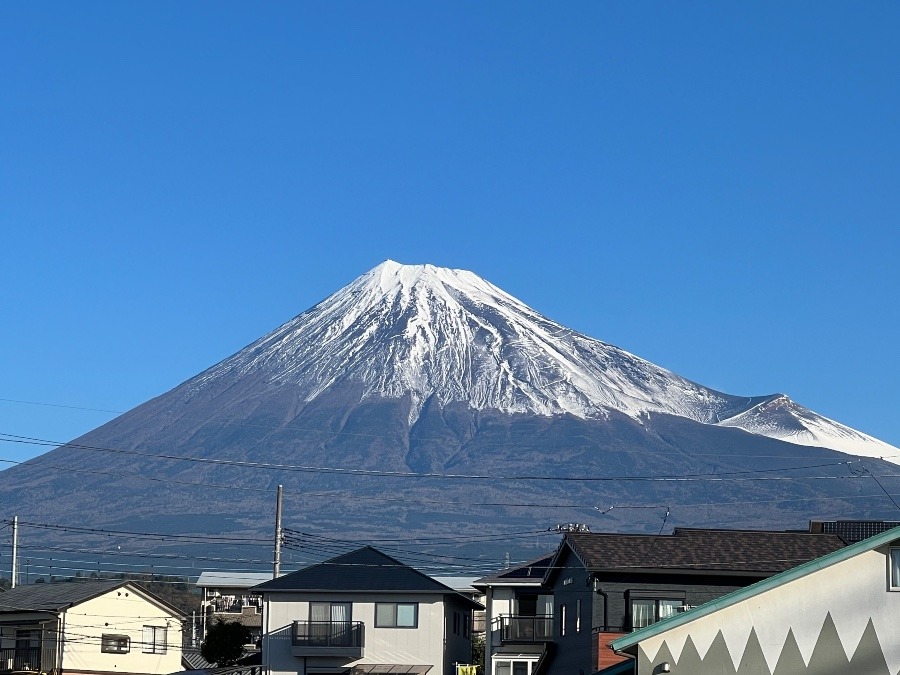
x: 396, y: 614
x: 155, y: 640
x: 115, y: 644
x: 578, y: 615
x: 645, y: 611
x: 330, y: 612
x: 562, y: 619
x: 895, y: 569
x: 526, y: 604
x: 513, y: 667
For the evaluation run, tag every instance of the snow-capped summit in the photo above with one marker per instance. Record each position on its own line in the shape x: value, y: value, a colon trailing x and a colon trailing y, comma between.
x: 447, y: 335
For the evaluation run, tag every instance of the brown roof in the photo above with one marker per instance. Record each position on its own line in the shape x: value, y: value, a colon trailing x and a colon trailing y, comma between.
x: 730, y: 551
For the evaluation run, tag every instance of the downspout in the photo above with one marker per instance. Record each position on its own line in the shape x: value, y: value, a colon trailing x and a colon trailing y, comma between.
x: 599, y: 591
x: 60, y: 641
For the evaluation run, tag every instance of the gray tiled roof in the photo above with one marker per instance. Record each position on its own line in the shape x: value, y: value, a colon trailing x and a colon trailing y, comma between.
x: 733, y: 551
x: 53, y: 597
x: 365, y: 569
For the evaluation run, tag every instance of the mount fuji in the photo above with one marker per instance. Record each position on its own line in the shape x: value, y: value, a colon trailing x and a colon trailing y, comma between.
x: 420, y: 399
x: 426, y: 332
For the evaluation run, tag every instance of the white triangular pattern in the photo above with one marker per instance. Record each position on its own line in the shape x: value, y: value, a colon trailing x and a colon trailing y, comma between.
x: 736, y: 638
x: 651, y: 647
x: 850, y: 630
x: 676, y: 644
x: 807, y: 626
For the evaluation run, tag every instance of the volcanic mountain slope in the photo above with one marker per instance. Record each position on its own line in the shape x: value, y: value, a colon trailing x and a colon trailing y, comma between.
x: 426, y: 370
x: 420, y: 331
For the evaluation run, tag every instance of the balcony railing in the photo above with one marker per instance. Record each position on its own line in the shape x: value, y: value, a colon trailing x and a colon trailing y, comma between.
x: 328, y: 638
x: 234, y: 606
x: 525, y: 628
x: 20, y: 658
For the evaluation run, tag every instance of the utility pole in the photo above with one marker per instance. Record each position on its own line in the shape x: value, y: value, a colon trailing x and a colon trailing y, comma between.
x: 276, y: 567
x: 15, y: 551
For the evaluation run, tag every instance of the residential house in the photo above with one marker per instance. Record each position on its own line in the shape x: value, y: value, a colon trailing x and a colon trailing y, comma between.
x: 835, y: 614
x: 519, y: 618
x: 89, y: 628
x: 607, y: 585
x: 465, y: 586
x: 227, y: 596
x: 360, y: 613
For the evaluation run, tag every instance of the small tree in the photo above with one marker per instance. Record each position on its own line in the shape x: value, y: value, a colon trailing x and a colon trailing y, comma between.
x: 224, y: 643
x: 478, y: 644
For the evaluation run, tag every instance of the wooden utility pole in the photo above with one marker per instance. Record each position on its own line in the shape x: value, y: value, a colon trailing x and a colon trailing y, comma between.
x: 276, y: 567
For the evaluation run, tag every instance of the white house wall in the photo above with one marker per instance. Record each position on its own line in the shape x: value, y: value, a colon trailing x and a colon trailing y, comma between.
x: 798, y: 616
x: 423, y: 645
x: 119, y: 612
x: 501, y: 601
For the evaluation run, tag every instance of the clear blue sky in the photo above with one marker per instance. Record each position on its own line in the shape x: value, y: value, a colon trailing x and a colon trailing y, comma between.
x: 714, y: 186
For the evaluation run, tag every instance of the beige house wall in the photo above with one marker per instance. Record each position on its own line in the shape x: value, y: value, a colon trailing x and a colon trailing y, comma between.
x: 124, y: 611
x: 423, y: 645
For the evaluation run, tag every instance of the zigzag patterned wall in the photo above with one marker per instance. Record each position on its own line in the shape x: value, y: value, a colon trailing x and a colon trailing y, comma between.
x: 838, y: 619
x: 828, y: 657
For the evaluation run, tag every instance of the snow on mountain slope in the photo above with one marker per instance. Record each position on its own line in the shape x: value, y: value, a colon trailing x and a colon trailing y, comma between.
x: 780, y: 417
x: 423, y: 331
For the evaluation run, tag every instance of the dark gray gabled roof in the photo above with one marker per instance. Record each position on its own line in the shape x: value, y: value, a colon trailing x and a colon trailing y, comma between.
x: 366, y: 570
x: 53, y: 597
x: 743, y: 552
x: 56, y: 597
x: 532, y: 572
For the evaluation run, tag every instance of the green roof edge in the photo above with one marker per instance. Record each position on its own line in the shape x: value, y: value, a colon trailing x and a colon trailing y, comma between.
x: 755, y: 589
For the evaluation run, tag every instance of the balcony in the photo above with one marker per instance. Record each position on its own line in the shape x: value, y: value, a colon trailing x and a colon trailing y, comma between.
x: 525, y: 628
x: 235, y: 605
x: 329, y: 638
x: 20, y: 658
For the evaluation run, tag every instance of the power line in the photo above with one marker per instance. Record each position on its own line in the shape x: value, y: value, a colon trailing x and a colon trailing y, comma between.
x: 715, y: 477
x: 343, y: 432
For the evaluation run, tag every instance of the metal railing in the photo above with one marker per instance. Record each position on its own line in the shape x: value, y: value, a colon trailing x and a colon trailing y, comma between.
x: 350, y: 634
x: 525, y: 628
x: 20, y: 658
x: 234, y: 607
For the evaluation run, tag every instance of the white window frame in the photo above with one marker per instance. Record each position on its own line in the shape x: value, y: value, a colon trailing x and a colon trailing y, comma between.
x: 152, y: 642
x: 497, y: 661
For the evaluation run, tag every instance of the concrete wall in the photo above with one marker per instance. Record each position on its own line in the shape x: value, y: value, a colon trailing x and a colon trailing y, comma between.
x: 842, y: 618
